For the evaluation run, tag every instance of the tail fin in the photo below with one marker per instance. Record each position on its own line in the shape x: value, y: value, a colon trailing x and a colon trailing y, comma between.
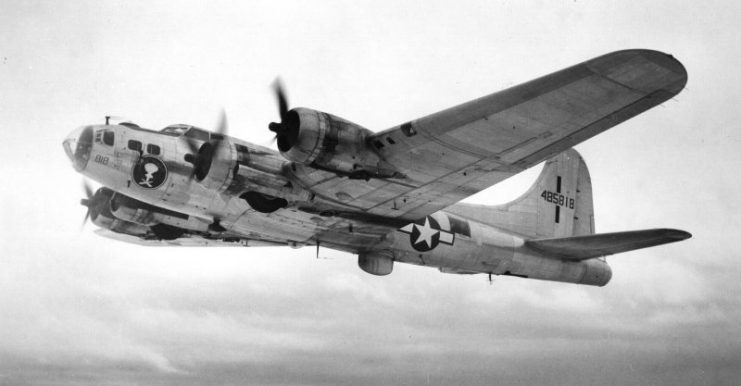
x: 559, y: 204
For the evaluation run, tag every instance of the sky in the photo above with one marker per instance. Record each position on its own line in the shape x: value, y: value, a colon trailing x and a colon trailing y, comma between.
x: 78, y: 309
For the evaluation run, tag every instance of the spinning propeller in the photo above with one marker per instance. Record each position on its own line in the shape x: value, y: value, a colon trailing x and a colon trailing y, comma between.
x: 87, y: 201
x: 201, y: 157
x: 286, y: 131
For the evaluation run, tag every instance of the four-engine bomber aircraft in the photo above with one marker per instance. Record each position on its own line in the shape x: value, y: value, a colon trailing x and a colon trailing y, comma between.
x: 390, y: 196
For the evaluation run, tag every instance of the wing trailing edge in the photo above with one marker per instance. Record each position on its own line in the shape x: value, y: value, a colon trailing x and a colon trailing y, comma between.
x: 591, y: 246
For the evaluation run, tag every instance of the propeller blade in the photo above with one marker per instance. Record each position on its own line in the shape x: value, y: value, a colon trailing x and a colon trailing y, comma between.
x: 280, y: 127
x: 282, y: 100
x: 192, y: 146
x: 88, y: 190
x: 84, y: 220
x: 202, y: 156
x: 87, y: 201
x: 222, y: 126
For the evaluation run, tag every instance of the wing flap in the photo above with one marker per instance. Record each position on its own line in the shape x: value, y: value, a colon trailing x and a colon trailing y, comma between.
x: 597, y: 245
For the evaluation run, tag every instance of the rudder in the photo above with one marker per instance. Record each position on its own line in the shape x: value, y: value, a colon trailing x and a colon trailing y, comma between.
x: 563, y: 196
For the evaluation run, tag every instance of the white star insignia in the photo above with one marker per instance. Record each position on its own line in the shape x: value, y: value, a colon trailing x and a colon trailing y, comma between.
x: 426, y: 233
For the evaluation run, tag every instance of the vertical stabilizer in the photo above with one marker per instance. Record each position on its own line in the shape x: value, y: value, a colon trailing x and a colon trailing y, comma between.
x: 559, y: 204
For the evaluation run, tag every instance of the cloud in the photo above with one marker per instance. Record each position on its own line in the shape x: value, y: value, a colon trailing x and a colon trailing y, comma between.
x: 299, y: 320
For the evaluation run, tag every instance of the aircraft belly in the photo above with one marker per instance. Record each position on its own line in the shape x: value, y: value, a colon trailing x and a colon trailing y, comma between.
x: 466, y: 255
x: 281, y: 225
x: 591, y: 272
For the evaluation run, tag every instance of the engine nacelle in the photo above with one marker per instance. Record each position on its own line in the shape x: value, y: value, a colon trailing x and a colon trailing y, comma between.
x: 128, y: 209
x: 328, y: 142
x: 134, y: 211
x: 100, y: 215
x: 216, y: 169
x: 119, y: 226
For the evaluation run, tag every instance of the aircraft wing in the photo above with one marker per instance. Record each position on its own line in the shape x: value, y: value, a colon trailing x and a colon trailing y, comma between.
x: 452, y: 154
x: 597, y: 245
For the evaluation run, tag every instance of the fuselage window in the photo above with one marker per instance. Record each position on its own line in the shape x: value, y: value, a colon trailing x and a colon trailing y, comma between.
x: 153, y: 149
x: 108, y: 137
x: 459, y: 226
x: 135, y: 145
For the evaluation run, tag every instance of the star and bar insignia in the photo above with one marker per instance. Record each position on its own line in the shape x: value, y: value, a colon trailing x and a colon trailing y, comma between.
x: 426, y: 234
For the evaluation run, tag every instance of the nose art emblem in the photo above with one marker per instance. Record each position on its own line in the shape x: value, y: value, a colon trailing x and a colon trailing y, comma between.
x: 149, y: 172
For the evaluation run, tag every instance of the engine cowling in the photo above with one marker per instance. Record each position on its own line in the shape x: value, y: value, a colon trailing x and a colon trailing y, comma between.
x: 328, y: 142
x: 122, y: 214
x: 134, y: 211
x: 219, y: 159
x: 128, y: 209
x: 100, y: 215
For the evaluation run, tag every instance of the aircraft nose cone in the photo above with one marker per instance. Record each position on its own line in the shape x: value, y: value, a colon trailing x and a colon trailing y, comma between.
x: 78, y: 145
x: 69, y: 145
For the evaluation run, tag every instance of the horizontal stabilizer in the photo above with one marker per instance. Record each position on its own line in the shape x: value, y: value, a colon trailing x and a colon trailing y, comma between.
x: 596, y: 245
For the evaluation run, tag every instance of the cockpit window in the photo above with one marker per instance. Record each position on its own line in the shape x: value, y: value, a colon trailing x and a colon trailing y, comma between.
x: 175, y: 130
x: 186, y: 130
x: 198, y: 134
x: 108, y: 137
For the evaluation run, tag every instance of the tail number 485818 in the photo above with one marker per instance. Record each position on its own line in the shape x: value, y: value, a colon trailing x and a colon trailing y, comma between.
x: 558, y: 199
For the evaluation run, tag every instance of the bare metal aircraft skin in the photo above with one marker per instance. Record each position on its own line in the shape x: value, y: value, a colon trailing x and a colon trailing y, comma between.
x: 390, y: 196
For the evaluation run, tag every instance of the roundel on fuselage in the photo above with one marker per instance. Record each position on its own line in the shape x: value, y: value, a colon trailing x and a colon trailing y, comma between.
x: 426, y: 234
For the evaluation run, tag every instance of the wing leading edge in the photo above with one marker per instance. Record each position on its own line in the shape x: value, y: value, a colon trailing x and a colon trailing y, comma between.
x: 455, y: 153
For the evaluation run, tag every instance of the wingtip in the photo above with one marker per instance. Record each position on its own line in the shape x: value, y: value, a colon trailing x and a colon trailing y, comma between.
x: 662, y: 59
x: 685, y: 235
x: 674, y: 81
x: 669, y: 62
x: 677, y: 234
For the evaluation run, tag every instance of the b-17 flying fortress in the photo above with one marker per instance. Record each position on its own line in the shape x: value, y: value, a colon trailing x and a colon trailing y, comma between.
x: 393, y: 195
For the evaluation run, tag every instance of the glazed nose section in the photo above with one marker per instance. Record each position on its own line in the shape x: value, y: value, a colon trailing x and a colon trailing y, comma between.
x: 78, y: 146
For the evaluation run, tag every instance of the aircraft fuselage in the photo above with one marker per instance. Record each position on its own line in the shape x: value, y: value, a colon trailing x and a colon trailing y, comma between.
x: 444, y: 240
